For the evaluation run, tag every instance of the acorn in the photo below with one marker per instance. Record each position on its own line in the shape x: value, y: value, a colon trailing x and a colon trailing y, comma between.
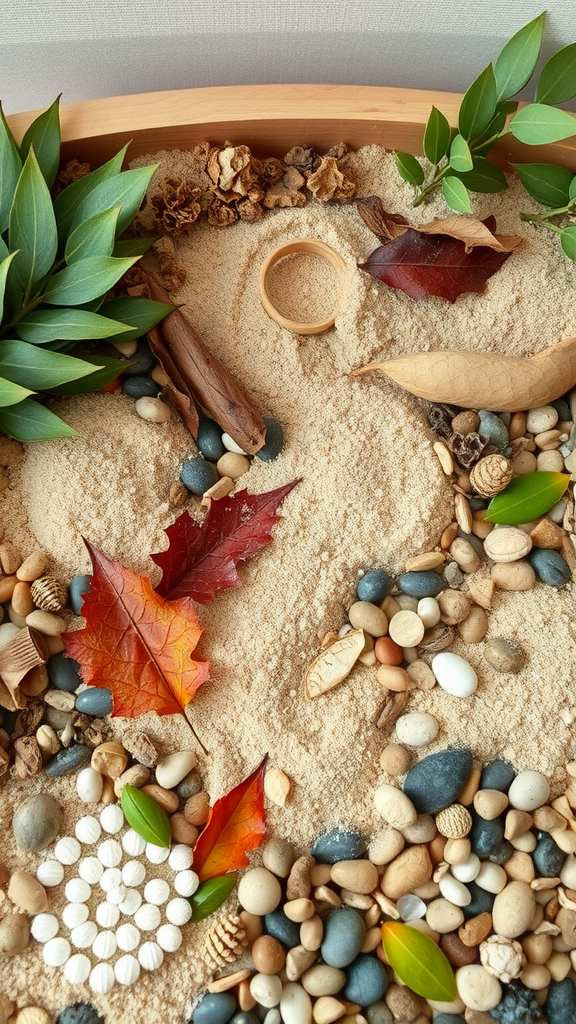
x: 49, y: 593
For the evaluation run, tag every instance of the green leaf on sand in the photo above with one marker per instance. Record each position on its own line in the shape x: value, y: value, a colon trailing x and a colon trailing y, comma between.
x: 409, y: 168
x: 455, y: 194
x: 546, y: 183
x: 527, y: 497
x: 145, y: 816
x: 30, y: 421
x: 484, y: 177
x: 211, y: 895
x: 568, y: 241
x: 137, y: 313
x: 418, y: 962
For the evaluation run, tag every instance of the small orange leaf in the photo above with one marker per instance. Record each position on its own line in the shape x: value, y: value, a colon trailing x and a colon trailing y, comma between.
x: 236, y: 824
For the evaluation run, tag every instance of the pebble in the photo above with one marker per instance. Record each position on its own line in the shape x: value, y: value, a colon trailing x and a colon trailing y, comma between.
x: 156, y: 854
x: 80, y: 1013
x: 478, y: 989
x: 96, y: 700
x: 101, y: 978
x: 513, y: 575
x: 507, y: 544
x: 266, y: 989
x: 369, y: 617
x: 36, y: 822
x: 172, y: 769
x: 79, y: 586
x: 504, y: 655
x: 454, y: 891
x: 198, y: 475
x: 421, y: 584
x: 513, y: 909
x: 435, y: 782
x: 543, y: 417
x: 429, y: 611
x: 548, y: 858
x: 407, y: 872
x: 282, y: 928
x: 491, y: 877
x: 417, y: 729
x: 492, y: 428
x: 63, y: 672
x: 323, y: 980
x: 278, y: 857
x: 83, y: 936
x: 274, y: 440
x: 90, y: 869
x: 214, y: 1008
x: 142, y: 361
x: 529, y: 790
x: 147, y: 917
x: 336, y: 844
x: 127, y: 969
x: 485, y: 835
x: 374, y: 586
x: 139, y: 386
x: 44, y: 927
x: 14, y: 934
x: 181, y: 858
x: 344, y: 933
x: 454, y: 674
x: 355, y: 875
x: 209, y: 439
x: 112, y: 818
x: 109, y: 853
x: 490, y: 803
x: 89, y: 786
x: 379, y: 1013
x: 107, y: 916
x: 77, y: 891
x: 498, y: 774
x: 560, y: 1005
x: 259, y: 891
x: 67, y: 850
x: 550, y: 567
x: 395, y: 759
x: 366, y: 980
x: 395, y: 806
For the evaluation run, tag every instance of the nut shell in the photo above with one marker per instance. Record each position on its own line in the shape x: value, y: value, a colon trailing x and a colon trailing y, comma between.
x: 48, y: 593
x: 454, y: 822
x: 491, y: 475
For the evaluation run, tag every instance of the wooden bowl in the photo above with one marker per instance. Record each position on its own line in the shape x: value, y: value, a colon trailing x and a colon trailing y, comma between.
x: 313, y: 247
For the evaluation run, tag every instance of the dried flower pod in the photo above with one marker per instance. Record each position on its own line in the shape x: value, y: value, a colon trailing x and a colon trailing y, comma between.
x: 329, y: 182
x: 437, y: 638
x: 177, y: 206
x: 440, y: 416
x: 502, y: 957
x: 225, y: 942
x: 491, y: 475
x: 48, y: 593
x: 454, y: 822
x: 468, y: 448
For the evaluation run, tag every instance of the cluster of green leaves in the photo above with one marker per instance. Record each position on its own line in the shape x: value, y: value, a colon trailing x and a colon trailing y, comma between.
x: 459, y: 155
x: 58, y: 261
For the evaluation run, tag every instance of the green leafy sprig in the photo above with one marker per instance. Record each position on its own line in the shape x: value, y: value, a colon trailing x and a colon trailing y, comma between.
x: 59, y: 258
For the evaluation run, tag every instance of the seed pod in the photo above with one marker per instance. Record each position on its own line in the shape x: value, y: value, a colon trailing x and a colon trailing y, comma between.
x: 224, y: 942
x: 491, y: 475
x: 48, y: 593
x: 454, y: 822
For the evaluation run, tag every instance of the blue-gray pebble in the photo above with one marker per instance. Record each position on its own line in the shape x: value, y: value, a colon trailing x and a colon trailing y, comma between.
x: 79, y: 585
x: 63, y: 672
x: 214, y: 1008
x: 245, y: 1017
x: 435, y: 781
x: 198, y: 475
x: 80, y: 1013
x: 492, y: 428
x: 561, y: 1002
x: 485, y: 835
x: 562, y: 408
x: 550, y: 567
x: 421, y: 584
x: 344, y: 933
x: 337, y: 844
x: 142, y: 361
x: 499, y: 774
x: 68, y: 760
x: 274, y: 440
x: 282, y: 928
x: 209, y: 439
x: 141, y: 387
x: 378, y: 1013
x: 374, y: 586
x: 366, y: 980
x: 449, y: 1018
x: 481, y: 901
x: 547, y: 857
x: 96, y: 700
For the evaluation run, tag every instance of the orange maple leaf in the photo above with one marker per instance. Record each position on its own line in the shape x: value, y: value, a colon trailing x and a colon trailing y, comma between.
x: 236, y: 823
x: 135, y: 643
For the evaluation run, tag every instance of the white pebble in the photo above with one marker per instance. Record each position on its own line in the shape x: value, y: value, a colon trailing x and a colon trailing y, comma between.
x: 127, y: 968
x: 468, y: 870
x: 77, y: 969
x: 56, y: 952
x: 186, y: 883
x: 77, y: 891
x: 127, y: 937
x: 110, y: 878
x: 410, y: 907
x: 88, y: 829
x: 454, y: 674
x: 179, y: 911
x: 266, y: 989
x: 156, y: 854
x: 44, y: 927
x: 90, y: 870
x: 89, y: 785
x: 112, y: 818
x: 155, y: 411
x: 117, y: 895
x: 295, y: 1005
x: 84, y: 935
x: 107, y: 915
x: 429, y: 611
x: 8, y: 630
x: 541, y: 418
x: 75, y: 914
x: 50, y: 873
x: 454, y: 891
x: 147, y: 917
x: 101, y: 979
x: 131, y: 903
x: 67, y: 850
x: 181, y: 857
x: 416, y: 729
x: 568, y: 872
x: 151, y: 956
x: 157, y: 891
x: 133, y: 843
x: 169, y: 938
x: 110, y: 853
x: 491, y: 877
x: 529, y: 790
x: 231, y: 446
x: 104, y: 945
x: 133, y: 873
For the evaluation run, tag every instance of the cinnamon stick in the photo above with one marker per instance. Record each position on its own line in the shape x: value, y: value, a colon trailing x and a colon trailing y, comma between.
x: 194, y: 371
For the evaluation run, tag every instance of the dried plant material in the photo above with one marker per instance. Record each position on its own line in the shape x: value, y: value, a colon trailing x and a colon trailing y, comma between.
x: 177, y: 206
x: 329, y: 182
x: 28, y: 757
x: 387, y: 226
x: 25, y: 651
x: 335, y: 663
x: 286, y: 192
x: 225, y: 942
x: 393, y: 707
x: 301, y: 156
x: 249, y: 211
x: 271, y: 169
x: 4, y: 761
x: 29, y: 719
x: 236, y: 824
x: 483, y: 380
x: 277, y: 786
x: 220, y: 214
x: 73, y: 171
x: 225, y: 167
x: 491, y: 475
x: 468, y: 448
x: 172, y: 273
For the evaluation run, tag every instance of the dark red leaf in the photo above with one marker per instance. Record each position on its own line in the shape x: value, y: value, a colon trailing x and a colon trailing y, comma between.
x: 202, y: 559
x: 236, y: 824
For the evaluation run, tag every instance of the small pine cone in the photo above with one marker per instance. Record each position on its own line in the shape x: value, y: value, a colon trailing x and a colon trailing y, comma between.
x: 48, y: 593
x: 454, y: 822
x: 225, y: 942
x: 491, y: 475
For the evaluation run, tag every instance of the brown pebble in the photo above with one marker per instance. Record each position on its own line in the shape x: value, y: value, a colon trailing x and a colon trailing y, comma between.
x: 448, y: 535
x: 466, y: 422
x: 395, y: 759
x: 182, y: 831
x: 14, y: 934
x: 517, y: 823
x: 394, y: 678
x: 10, y: 558
x: 471, y: 788
x: 476, y: 929
x: 458, y: 953
x: 165, y: 798
x: 537, y: 948
x: 252, y: 925
x: 268, y: 955
x: 32, y: 567
x: 407, y: 871
x: 141, y: 747
x: 229, y: 981
x: 475, y: 626
x: 404, y: 1005
x: 312, y: 932
x: 513, y: 576
x: 489, y: 803
x: 178, y: 494
x: 197, y: 808
x: 299, y: 882
x: 136, y: 776
x: 547, y: 534
x: 46, y: 622
x: 108, y: 794
x: 27, y: 893
x: 246, y: 1000
x: 436, y: 848
x: 32, y: 1015
x: 110, y: 759
x: 7, y: 586
x: 22, y: 602
x: 233, y: 464
x: 454, y: 606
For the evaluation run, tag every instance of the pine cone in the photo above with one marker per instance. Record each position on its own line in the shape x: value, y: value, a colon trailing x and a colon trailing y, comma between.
x: 225, y: 942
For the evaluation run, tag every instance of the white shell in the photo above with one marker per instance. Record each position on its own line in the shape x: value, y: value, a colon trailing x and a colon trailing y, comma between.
x: 77, y: 969
x: 84, y: 935
x: 50, y: 873
x: 178, y: 911
x: 131, y: 902
x: 133, y: 873
x: 107, y: 915
x: 67, y: 850
x: 88, y: 829
x: 116, y: 895
x: 112, y: 818
x: 56, y: 952
x: 156, y: 891
x: 150, y: 956
x: 156, y: 854
x: 147, y: 917
x: 104, y: 945
x: 110, y: 878
x: 186, y: 883
x: 89, y: 785
x: 181, y: 857
x: 44, y: 927
x: 101, y: 979
x: 90, y: 870
x: 133, y: 843
x: 231, y: 445
x: 127, y: 937
x: 169, y: 938
x: 127, y: 970
x: 75, y: 914
x: 77, y: 891
x: 110, y: 853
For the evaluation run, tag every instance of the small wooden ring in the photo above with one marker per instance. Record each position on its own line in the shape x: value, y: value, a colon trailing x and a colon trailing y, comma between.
x: 298, y: 245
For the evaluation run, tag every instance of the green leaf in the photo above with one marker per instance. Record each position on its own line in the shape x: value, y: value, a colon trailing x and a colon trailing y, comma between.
x: 66, y: 204
x: 44, y: 135
x: 11, y: 394
x: 108, y: 370
x: 436, y: 136
x: 32, y: 226
x: 409, y: 168
x: 485, y: 177
x: 46, y: 325
x: 210, y: 895
x: 557, y: 81
x: 418, y: 962
x: 127, y: 189
x: 137, y: 312
x: 572, y: 189
x: 546, y: 183
x: 527, y: 497
x: 30, y: 421
x: 133, y: 246
x: 86, y: 280
x: 145, y: 816
x: 4, y: 268
x: 93, y: 237
x: 460, y: 155
x: 568, y: 241
x: 10, y: 167
x: 478, y: 105
x: 538, y: 125
x: 37, y: 367
x: 516, y: 61
x: 455, y: 194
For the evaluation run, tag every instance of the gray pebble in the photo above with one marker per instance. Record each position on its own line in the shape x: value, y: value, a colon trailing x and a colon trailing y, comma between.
x: 336, y: 844
x: 278, y: 856
x: 492, y: 427
x: 80, y: 1013
x: 63, y: 672
x: 378, y: 1013
x: 504, y: 655
x: 209, y: 439
x: 344, y: 933
x: 198, y: 475
x: 421, y: 584
x: 550, y: 567
x: 435, y: 781
x: 95, y: 700
x: 138, y: 386
x: 79, y: 585
x: 453, y: 574
x: 56, y: 719
x: 36, y: 822
x: 274, y: 440
x: 190, y: 785
x: 68, y: 760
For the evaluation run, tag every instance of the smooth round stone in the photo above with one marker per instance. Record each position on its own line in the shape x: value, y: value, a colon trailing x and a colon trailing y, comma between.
x: 454, y: 674
x: 133, y: 844
x: 550, y: 567
x: 478, y: 989
x: 513, y: 909
x: 173, y: 768
x: 266, y: 989
x: 410, y: 907
x: 560, y: 1005
x: 481, y: 900
x: 63, y: 672
x: 492, y: 428
x: 147, y: 917
x: 80, y: 1013
x: 282, y: 928
x: 295, y: 1004
x: 178, y: 911
x: 231, y: 445
x: 344, y: 933
x: 77, y: 891
x: 127, y: 970
x: 274, y: 440
x: 278, y: 856
x: 368, y: 617
x: 141, y: 362
x: 156, y: 891
x: 547, y: 857
x: 96, y: 700
x: 322, y: 980
x: 467, y: 870
x: 127, y: 937
x: 169, y: 938
x: 416, y: 729
x: 501, y: 853
x: 529, y: 790
x: 181, y: 857
x: 89, y: 786
x: 435, y: 782
x: 335, y: 845
x: 36, y: 822
x: 498, y: 775
x: 366, y: 980
x: 429, y: 611
x: 107, y: 916
x: 209, y: 439
x: 247, y: 1017
x: 139, y: 386
x: 150, y: 956
x: 198, y: 475
x: 421, y: 584
x: 491, y: 877
x: 454, y: 891
x: 110, y: 853
x: 374, y: 586
x: 189, y: 786
x: 79, y: 586
x: 542, y: 417
x: 259, y: 891
x: 379, y: 1013
x: 133, y: 873
x: 485, y: 836
x: 214, y: 1008
x: 156, y: 854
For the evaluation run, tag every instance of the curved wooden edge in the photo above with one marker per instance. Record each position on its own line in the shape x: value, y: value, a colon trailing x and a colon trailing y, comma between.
x: 269, y: 118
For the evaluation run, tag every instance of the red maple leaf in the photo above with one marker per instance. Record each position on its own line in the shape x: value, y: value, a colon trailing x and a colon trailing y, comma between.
x: 202, y: 559
x: 135, y: 643
x: 236, y: 824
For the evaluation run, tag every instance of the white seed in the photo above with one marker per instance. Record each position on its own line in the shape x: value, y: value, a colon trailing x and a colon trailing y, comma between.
x: 56, y: 952
x: 147, y: 917
x: 75, y: 914
x: 133, y: 873
x: 181, y: 857
x: 231, y: 445
x: 157, y: 891
x: 84, y: 935
x: 77, y: 891
x: 110, y: 853
x: 169, y: 938
x: 131, y: 902
x: 156, y: 854
x: 67, y: 850
x: 179, y: 911
x: 127, y: 937
x: 50, y: 873
x: 90, y: 870
x: 101, y: 979
x: 133, y: 843
x: 127, y: 968
x: 88, y: 829
x: 104, y: 945
x: 44, y: 927
x: 186, y: 883
x: 107, y: 915
x: 150, y: 956
x: 116, y: 895
x: 112, y: 818
x: 89, y: 785
x: 77, y: 969
x: 110, y: 879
